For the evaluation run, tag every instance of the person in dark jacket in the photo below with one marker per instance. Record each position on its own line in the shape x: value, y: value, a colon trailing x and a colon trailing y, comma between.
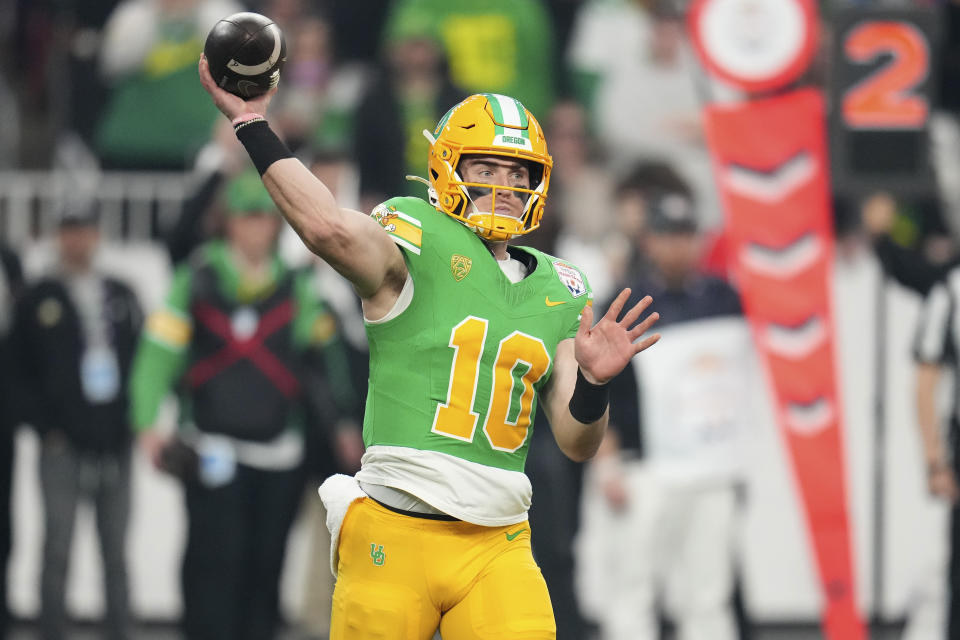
x: 413, y: 92
x: 668, y: 478
x: 11, y: 284
x: 73, y: 339
x: 240, y: 339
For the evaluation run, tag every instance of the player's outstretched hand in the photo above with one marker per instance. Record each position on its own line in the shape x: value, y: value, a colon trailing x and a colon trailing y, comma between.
x: 229, y: 104
x: 604, y: 349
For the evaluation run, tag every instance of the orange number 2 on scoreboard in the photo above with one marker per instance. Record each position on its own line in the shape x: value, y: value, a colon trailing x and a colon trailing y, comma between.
x: 883, y: 100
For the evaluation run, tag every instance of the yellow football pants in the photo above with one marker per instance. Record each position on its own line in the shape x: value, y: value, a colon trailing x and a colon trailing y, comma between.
x: 402, y: 577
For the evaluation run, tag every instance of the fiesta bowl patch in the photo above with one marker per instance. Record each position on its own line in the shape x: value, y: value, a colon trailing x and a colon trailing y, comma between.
x: 571, y: 278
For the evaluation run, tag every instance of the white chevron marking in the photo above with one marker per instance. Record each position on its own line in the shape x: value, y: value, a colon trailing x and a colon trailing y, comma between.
x: 771, y: 186
x: 810, y: 419
x: 785, y: 262
x: 795, y: 343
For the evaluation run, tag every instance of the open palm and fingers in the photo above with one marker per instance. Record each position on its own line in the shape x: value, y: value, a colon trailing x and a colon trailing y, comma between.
x: 230, y: 105
x: 602, y: 350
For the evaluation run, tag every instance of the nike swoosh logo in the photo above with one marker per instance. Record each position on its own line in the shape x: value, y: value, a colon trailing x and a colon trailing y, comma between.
x: 511, y: 536
x: 553, y: 303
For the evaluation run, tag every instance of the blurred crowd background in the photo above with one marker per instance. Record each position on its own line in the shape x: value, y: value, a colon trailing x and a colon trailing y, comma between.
x: 114, y: 160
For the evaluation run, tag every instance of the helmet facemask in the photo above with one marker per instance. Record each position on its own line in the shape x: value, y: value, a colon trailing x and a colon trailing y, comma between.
x: 486, y: 221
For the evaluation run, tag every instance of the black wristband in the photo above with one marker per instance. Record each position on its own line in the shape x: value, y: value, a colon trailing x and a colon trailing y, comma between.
x: 261, y: 143
x: 589, y: 401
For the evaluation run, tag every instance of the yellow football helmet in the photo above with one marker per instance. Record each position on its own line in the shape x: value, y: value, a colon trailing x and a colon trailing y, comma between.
x: 488, y: 124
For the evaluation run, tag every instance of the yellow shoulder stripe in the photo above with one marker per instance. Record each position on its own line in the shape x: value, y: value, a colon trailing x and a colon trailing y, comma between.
x: 408, y: 229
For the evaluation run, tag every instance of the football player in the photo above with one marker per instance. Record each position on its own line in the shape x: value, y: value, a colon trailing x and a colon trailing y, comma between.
x: 468, y: 337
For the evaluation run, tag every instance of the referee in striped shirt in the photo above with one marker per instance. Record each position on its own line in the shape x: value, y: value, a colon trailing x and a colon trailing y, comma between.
x: 935, y: 349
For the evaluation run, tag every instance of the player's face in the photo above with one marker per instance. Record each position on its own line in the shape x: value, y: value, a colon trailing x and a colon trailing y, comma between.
x: 495, y: 170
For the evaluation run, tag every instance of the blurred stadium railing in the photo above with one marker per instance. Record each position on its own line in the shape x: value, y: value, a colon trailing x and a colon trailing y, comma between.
x: 134, y: 206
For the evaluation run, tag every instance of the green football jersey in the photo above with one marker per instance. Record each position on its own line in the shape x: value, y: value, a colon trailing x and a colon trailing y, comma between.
x: 460, y: 370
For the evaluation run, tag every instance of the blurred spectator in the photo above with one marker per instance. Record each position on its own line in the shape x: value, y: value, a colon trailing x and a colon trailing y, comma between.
x: 329, y: 451
x: 630, y: 196
x: 625, y: 254
x: 664, y: 483
x: 320, y: 95
x: 35, y: 49
x: 286, y: 13
x: 65, y: 105
x: 9, y: 126
x: 343, y: 454
x: 935, y: 351
x: 11, y: 284
x: 944, y: 121
x: 55, y: 89
x: 495, y: 46
x: 154, y: 116
x: 585, y: 184
x: 355, y: 22
x: 563, y: 13
x: 326, y: 453
x: 86, y: 89
x: 948, y: 60
x: 74, y: 336
x: 241, y: 338
x: 635, y: 71
x: 410, y: 96
x: 912, y: 245
x: 554, y: 518
x: 580, y: 197
x: 218, y: 160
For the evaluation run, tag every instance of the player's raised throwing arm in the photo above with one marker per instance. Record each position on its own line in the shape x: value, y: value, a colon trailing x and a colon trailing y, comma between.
x: 353, y: 243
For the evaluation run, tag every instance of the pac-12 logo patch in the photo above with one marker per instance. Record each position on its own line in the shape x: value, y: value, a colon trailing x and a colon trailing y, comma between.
x: 460, y: 266
x: 571, y: 278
